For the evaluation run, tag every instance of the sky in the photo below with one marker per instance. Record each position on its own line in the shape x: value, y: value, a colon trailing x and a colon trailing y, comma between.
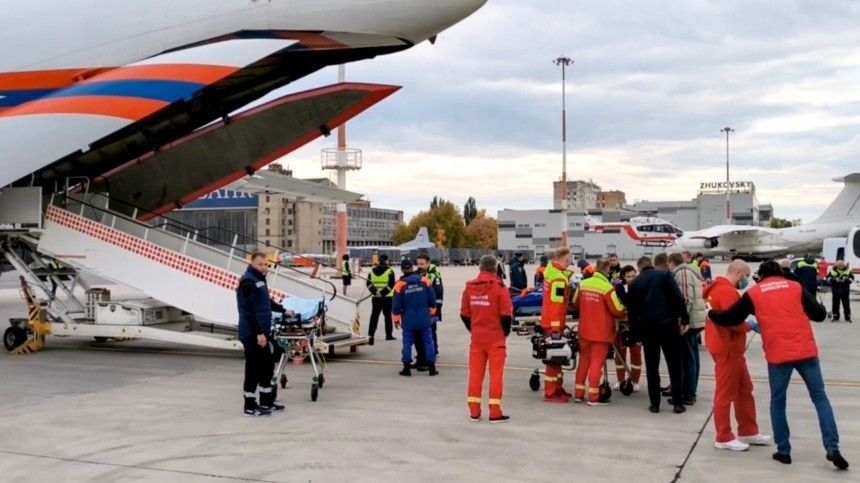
x: 652, y: 86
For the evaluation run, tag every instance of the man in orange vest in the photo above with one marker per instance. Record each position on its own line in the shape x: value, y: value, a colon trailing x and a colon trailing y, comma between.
x: 487, y: 311
x: 784, y: 309
x: 556, y: 299
x: 599, y: 306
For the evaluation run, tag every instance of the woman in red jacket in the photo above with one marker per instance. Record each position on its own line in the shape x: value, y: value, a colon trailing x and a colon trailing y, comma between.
x: 784, y: 309
x: 727, y: 346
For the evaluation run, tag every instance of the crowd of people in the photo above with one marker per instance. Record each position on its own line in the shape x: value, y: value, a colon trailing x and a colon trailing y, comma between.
x: 658, y: 310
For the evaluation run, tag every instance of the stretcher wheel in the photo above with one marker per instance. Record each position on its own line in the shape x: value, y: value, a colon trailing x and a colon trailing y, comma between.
x: 534, y: 382
x: 315, y: 391
x: 605, y: 393
x: 14, y: 337
x: 626, y: 387
x: 283, y: 381
x: 321, y: 380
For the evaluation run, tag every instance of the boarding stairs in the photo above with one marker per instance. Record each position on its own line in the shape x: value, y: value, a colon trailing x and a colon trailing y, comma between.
x: 167, y: 261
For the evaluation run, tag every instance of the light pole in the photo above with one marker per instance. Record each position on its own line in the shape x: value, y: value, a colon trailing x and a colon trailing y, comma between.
x: 728, y: 131
x: 564, y: 62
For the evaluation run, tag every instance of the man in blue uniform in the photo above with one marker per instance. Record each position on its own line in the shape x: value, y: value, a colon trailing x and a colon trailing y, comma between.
x: 255, y: 325
x: 430, y: 271
x: 414, y: 306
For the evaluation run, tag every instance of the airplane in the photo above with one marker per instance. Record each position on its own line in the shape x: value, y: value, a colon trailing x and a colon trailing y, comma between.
x: 137, y: 99
x: 645, y: 231
x: 838, y: 219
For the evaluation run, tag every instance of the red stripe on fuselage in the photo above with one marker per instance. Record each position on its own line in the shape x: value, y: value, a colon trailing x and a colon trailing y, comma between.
x: 132, y: 108
x: 46, y: 79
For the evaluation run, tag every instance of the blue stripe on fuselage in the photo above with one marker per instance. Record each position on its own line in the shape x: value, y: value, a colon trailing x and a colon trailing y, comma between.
x: 16, y: 98
x: 159, y: 90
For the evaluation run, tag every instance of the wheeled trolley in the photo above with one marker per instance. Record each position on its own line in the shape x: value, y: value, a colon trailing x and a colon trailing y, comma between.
x: 297, y: 339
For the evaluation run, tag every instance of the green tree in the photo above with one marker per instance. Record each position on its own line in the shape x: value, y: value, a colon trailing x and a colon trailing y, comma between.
x: 470, y: 211
x: 780, y: 223
x: 445, y: 217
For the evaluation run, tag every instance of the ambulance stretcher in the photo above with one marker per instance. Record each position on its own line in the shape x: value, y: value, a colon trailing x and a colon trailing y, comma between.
x: 298, y: 337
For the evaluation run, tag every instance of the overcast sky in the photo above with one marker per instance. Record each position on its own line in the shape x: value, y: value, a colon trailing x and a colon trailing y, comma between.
x: 653, y: 84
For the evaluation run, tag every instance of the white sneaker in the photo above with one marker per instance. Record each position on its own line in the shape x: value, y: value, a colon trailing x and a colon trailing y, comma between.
x: 635, y: 387
x: 616, y: 386
x: 757, y: 440
x: 596, y: 403
x: 733, y: 445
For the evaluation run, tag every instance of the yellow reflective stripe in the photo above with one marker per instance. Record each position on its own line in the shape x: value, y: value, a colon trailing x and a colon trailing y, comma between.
x: 473, y: 400
x: 619, y: 366
x: 636, y: 367
x: 580, y: 386
x: 550, y: 379
x: 616, y: 302
x: 495, y: 402
x: 593, y: 390
x: 555, y: 323
x: 553, y: 289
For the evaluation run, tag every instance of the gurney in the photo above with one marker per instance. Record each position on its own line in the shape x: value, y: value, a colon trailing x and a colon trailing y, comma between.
x: 527, y: 312
x: 297, y: 337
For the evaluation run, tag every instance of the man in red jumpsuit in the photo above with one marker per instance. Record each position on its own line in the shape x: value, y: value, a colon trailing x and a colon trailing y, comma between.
x: 556, y: 299
x: 598, y: 306
x: 486, y: 309
x: 727, y: 346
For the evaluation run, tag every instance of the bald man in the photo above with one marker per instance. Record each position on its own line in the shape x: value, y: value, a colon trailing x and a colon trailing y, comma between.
x: 727, y: 346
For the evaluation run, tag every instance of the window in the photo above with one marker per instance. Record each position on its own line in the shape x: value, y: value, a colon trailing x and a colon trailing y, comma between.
x: 267, y: 234
x: 267, y: 222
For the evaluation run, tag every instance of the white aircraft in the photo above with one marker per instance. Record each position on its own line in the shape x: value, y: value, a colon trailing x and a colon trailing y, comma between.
x: 643, y: 230
x: 838, y: 219
x: 135, y: 98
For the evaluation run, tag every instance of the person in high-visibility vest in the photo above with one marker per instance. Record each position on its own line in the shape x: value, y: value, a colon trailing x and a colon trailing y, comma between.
x: 380, y: 283
x: 840, y: 278
x: 345, y: 273
x: 556, y: 299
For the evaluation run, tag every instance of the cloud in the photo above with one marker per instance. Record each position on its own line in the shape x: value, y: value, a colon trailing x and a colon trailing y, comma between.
x: 652, y: 86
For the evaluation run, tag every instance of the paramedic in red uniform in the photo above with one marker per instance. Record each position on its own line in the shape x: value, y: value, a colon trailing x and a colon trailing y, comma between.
x: 487, y: 311
x: 598, y: 306
x: 784, y: 310
x: 556, y: 299
x: 727, y: 346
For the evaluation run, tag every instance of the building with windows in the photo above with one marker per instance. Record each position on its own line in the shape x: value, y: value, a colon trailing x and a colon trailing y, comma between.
x: 368, y: 226
x: 582, y: 195
x: 222, y: 216
x: 611, y: 199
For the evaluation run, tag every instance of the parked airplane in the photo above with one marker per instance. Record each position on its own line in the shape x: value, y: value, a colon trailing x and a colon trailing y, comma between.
x: 116, y: 93
x: 838, y: 219
x: 643, y: 230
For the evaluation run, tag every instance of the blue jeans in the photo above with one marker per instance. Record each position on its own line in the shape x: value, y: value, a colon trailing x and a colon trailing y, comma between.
x: 690, y: 363
x: 424, y: 335
x: 810, y: 371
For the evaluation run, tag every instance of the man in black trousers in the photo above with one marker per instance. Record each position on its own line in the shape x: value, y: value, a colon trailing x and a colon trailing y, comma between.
x: 658, y: 317
x: 380, y: 282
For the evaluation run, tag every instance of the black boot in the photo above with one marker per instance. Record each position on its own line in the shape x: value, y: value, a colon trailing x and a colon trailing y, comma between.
x: 838, y: 461
x: 252, y: 409
x: 433, y: 371
x: 267, y: 401
x: 782, y: 458
x: 407, y: 370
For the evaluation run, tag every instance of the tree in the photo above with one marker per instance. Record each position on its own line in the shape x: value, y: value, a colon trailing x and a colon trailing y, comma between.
x: 470, y: 211
x: 483, y: 232
x: 444, y: 216
x: 441, y: 239
x: 780, y: 223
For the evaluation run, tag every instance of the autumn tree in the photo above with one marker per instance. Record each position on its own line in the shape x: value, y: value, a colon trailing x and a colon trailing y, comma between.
x: 444, y: 216
x: 483, y: 232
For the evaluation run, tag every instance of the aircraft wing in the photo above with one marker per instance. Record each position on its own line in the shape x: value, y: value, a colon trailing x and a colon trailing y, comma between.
x: 726, y: 230
x: 90, y: 122
x: 263, y: 182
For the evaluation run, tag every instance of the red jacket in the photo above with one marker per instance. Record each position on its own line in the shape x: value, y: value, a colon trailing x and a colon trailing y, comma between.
x: 724, y: 340
x: 487, y: 305
x: 599, y: 306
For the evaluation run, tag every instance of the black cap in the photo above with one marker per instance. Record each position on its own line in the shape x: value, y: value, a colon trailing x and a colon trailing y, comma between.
x: 518, y: 254
x: 383, y: 258
x: 406, y: 264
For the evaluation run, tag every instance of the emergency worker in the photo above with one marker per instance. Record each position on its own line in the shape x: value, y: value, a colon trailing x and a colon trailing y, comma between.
x: 539, y: 273
x: 255, y: 325
x: 431, y: 272
x: 599, y: 307
x: 345, y: 273
x: 519, y: 279
x: 380, y: 283
x: 806, y: 272
x: 556, y: 300
x: 614, y: 268
x: 413, y: 308
x: 486, y: 310
x: 628, y: 273
x: 840, y: 278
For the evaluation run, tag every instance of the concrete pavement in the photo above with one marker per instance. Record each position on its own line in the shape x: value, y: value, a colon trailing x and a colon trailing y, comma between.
x: 139, y: 411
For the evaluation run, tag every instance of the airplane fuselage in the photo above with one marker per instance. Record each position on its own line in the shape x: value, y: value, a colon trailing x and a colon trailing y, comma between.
x: 75, y: 34
x: 771, y: 242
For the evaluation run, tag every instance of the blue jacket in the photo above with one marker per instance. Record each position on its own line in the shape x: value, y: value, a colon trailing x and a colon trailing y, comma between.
x: 807, y: 275
x: 518, y: 275
x: 414, y: 300
x: 255, y: 305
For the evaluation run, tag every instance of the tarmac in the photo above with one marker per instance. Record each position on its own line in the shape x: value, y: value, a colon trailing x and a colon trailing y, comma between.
x: 143, y: 411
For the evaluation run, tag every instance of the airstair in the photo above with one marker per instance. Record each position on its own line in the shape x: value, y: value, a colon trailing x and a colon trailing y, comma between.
x: 188, y: 277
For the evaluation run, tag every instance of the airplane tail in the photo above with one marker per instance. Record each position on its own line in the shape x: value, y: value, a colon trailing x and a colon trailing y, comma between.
x: 423, y: 235
x: 846, y: 206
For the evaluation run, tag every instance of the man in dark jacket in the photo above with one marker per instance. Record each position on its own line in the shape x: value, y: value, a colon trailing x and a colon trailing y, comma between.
x: 658, y: 317
x: 784, y: 310
x: 785, y: 264
x: 840, y: 278
x: 519, y: 280
x: 807, y: 273
x: 414, y: 306
x: 255, y: 325
x: 380, y: 283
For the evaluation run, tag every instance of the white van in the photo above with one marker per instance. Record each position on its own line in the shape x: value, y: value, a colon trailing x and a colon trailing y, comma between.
x: 851, y: 252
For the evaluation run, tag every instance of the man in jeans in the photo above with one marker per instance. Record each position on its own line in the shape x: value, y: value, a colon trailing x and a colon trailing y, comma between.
x: 784, y: 309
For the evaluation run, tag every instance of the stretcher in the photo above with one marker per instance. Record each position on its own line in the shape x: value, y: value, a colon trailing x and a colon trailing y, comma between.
x: 298, y: 336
